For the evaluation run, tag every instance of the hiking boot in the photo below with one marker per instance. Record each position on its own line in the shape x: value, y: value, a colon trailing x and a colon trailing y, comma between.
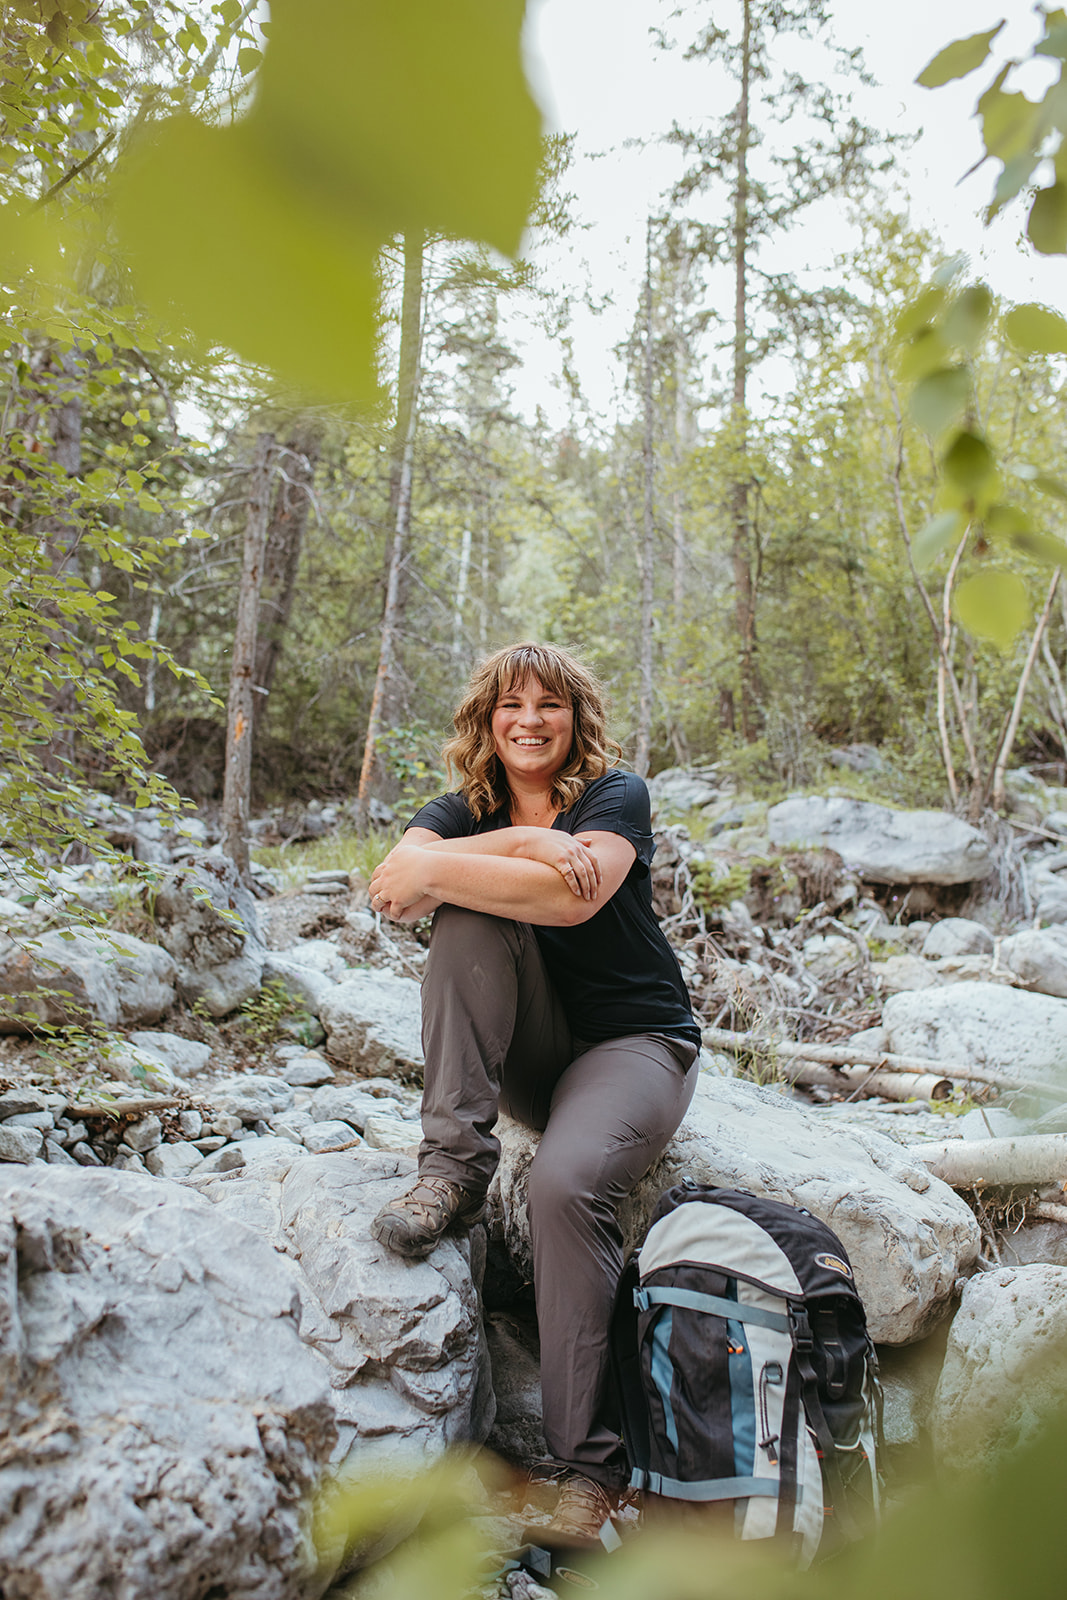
x: 582, y: 1515
x: 412, y: 1225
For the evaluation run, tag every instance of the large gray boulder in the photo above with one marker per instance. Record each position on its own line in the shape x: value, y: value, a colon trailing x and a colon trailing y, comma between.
x: 1039, y: 957
x: 980, y: 1024
x: 1005, y: 1367
x: 957, y: 936
x: 908, y: 1236
x: 402, y: 1340
x: 208, y: 922
x: 84, y: 975
x: 883, y: 846
x: 373, y: 1021
x: 163, y: 1423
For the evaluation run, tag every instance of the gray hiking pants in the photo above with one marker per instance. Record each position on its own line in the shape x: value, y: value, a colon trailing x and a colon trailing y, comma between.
x: 495, y: 1035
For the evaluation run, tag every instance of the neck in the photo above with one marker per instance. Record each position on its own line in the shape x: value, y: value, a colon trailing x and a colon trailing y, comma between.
x: 532, y: 807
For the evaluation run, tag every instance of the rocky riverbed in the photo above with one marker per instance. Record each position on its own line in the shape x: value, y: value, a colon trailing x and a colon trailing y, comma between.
x: 195, y: 1325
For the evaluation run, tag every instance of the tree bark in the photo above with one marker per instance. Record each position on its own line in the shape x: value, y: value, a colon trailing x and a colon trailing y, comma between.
x: 400, y: 500
x: 741, y: 540
x: 964, y: 1163
x: 648, y: 532
x: 1004, y: 751
x: 239, y: 719
x: 281, y: 560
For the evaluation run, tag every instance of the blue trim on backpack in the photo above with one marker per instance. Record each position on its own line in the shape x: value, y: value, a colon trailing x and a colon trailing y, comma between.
x: 715, y: 1305
x: 742, y: 1399
x: 662, y: 1370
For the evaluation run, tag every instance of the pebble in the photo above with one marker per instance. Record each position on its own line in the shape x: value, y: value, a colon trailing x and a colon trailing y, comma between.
x: 20, y: 1144
x: 145, y: 1134
x: 320, y: 1137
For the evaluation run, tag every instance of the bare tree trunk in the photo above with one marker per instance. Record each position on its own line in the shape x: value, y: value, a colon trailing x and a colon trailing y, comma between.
x: 404, y: 458
x: 647, y: 547
x: 238, y: 784
x: 1001, y: 761
x: 741, y: 546
x: 461, y: 592
x: 281, y: 560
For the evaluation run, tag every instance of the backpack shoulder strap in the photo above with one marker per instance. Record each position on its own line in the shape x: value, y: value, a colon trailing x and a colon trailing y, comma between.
x: 626, y: 1372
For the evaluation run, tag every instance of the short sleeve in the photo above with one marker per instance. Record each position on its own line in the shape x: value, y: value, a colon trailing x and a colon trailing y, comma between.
x: 617, y: 803
x: 449, y: 816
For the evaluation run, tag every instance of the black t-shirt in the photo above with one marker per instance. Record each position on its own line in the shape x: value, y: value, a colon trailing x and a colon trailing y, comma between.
x: 615, y: 974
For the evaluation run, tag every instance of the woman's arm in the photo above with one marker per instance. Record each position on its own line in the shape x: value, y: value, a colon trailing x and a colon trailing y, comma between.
x: 501, y: 881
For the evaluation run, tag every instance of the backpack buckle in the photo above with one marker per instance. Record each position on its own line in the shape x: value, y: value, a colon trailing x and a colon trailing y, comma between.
x: 801, y: 1328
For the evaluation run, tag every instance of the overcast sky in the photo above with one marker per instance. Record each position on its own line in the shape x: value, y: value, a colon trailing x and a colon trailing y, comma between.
x: 599, y: 76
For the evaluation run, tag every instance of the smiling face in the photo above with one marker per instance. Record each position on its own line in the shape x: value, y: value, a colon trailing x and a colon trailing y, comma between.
x: 533, y: 730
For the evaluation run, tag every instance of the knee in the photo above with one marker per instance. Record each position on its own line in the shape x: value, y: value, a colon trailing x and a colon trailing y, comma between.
x: 560, y: 1191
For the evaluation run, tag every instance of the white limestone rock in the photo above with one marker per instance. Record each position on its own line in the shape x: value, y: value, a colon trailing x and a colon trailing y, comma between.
x: 401, y: 1340
x: 348, y: 1102
x: 84, y: 974
x: 307, y: 984
x: 208, y: 922
x: 186, y: 1058
x: 908, y: 1235
x: 373, y: 1021
x: 1038, y: 956
x: 176, y: 1160
x: 1005, y: 1367
x: 984, y: 1024
x: 146, y: 1455
x: 320, y: 1137
x: 884, y: 846
x: 958, y: 936
x: 254, y: 1097
x: 390, y: 1133
x: 308, y: 1071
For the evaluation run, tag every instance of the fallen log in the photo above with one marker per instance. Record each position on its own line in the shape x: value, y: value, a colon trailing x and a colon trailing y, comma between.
x: 843, y: 1055
x: 123, y: 1108
x: 1048, y: 1211
x: 966, y: 1163
x: 869, y: 1080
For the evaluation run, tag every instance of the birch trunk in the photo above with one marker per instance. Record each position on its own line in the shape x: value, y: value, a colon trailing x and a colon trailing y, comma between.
x: 239, y: 718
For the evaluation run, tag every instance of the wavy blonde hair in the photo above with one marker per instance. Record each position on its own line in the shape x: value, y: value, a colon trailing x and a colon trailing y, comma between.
x: 471, y: 754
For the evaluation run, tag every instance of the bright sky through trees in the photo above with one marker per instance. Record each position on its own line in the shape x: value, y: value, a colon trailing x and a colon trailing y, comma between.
x: 600, y: 76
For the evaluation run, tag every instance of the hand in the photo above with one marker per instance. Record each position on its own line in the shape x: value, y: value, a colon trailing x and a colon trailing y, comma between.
x: 396, y: 889
x: 569, y: 855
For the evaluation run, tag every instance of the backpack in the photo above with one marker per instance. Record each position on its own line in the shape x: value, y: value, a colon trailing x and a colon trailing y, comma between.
x: 744, y: 1370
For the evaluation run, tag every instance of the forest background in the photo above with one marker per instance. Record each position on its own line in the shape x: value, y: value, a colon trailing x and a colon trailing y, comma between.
x: 261, y: 436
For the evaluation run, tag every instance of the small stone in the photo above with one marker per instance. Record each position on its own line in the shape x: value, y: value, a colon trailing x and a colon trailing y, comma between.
x: 85, y: 1155
x: 32, y: 1119
x: 225, y: 1123
x: 389, y: 1133
x: 17, y: 1102
x: 145, y: 1134
x: 56, y: 1155
x: 69, y: 1133
x: 308, y: 1071
x: 173, y: 1160
x: 127, y: 1160
x: 210, y: 1143
x: 20, y: 1144
x: 228, y: 1159
x: 323, y: 1136
x: 330, y: 876
x: 191, y: 1124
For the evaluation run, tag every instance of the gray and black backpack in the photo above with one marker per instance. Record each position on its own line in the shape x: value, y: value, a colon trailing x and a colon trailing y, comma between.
x: 745, y: 1372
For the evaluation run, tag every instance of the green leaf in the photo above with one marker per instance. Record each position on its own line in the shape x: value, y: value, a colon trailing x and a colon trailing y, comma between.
x: 968, y: 464
x: 370, y: 120
x: 248, y: 58
x: 993, y: 605
x: 1047, y: 227
x: 919, y: 312
x: 938, y: 534
x: 1009, y: 123
x: 1016, y: 174
x: 938, y: 399
x: 1002, y: 520
x: 967, y: 317
x: 956, y: 60
x: 1044, y: 547
x: 926, y: 352
x: 1054, y: 43
x: 1036, y: 329
x: 1050, y: 485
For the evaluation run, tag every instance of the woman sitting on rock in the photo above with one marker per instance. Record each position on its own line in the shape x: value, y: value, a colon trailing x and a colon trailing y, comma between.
x: 550, y: 992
